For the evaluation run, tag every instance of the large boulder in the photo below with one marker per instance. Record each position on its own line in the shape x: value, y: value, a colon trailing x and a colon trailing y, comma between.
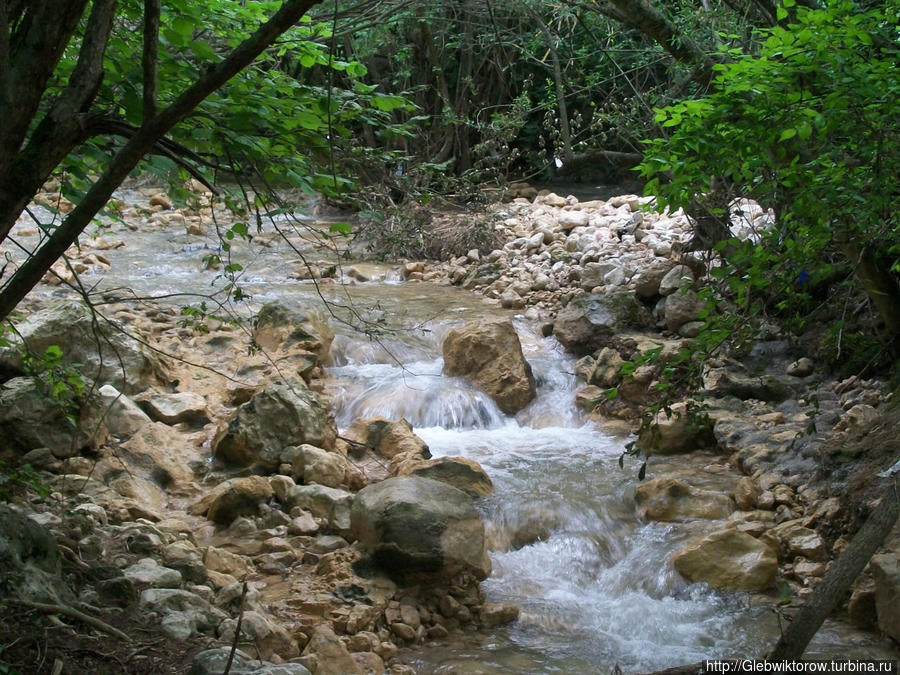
x: 489, y: 353
x: 31, y: 418
x: 669, y: 499
x: 589, y: 321
x: 728, y: 559
x: 281, y: 331
x: 420, y: 528
x: 275, y: 418
x: 106, y: 351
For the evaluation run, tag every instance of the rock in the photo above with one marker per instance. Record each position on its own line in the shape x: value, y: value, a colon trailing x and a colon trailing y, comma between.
x: 30, y: 419
x: 730, y: 560
x: 511, y: 300
x: 463, y: 474
x: 184, y: 604
x: 800, y: 368
x: 675, y: 279
x: 323, y: 502
x: 159, y: 453
x: 498, y: 614
x: 721, y: 382
x: 606, y: 370
x: 183, y: 406
x: 29, y: 557
x: 489, y: 354
x: 275, y: 418
x: 147, y: 573
x: 184, y: 557
x: 886, y: 573
x: 314, y: 465
x: 648, y: 280
x: 594, y: 274
x: 387, y: 438
x: 797, y: 540
x: 402, y: 631
x: 419, y: 527
x: 106, y: 351
x: 862, y: 608
x: 569, y: 220
x: 213, y: 661
x: 161, y: 199
x: 331, y: 655
x: 282, y: 331
x: 859, y: 416
x: 225, y: 562
x: 237, y: 497
x: 123, y: 416
x: 669, y: 499
x: 682, y: 307
x: 260, y: 636
x: 746, y: 493
x: 680, y: 431
x: 589, y: 321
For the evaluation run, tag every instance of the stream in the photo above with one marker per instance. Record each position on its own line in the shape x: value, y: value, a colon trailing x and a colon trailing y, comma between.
x: 595, y: 585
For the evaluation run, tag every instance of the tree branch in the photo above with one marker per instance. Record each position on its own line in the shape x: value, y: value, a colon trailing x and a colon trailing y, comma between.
x: 62, y: 128
x: 31, y: 271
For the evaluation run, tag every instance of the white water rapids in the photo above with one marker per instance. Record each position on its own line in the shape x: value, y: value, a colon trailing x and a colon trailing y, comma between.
x: 595, y: 585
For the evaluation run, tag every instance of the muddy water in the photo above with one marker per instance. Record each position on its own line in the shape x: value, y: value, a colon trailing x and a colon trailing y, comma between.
x: 595, y: 585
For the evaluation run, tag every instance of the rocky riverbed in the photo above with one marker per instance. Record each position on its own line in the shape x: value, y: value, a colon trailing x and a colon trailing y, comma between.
x: 207, y: 481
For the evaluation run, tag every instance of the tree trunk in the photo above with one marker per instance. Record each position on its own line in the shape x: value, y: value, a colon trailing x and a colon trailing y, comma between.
x: 642, y: 16
x: 879, y: 283
x: 64, y: 127
x: 840, y: 576
x: 30, y: 273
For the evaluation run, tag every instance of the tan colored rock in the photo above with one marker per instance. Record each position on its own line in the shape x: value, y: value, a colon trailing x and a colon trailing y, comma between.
x: 161, y: 200
x: 332, y: 657
x: 606, y: 368
x: 489, y: 354
x: 746, y: 493
x: 675, y: 432
x: 225, y: 562
x: 314, y: 465
x: 796, y: 539
x: 283, y: 331
x: 275, y: 418
x: 157, y: 452
x: 237, y: 497
x: 669, y: 499
x: 730, y: 560
x: 387, y: 438
x: 463, y: 474
x: 498, y: 614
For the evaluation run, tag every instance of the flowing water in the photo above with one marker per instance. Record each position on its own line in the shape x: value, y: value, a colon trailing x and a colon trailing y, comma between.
x: 595, y: 585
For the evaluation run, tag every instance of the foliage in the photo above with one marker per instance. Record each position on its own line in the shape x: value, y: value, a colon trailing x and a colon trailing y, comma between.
x: 805, y: 127
x: 16, y: 480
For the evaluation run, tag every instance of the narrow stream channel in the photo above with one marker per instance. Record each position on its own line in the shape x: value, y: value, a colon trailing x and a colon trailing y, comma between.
x: 595, y: 585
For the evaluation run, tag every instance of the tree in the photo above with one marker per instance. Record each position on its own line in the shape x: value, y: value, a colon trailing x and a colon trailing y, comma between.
x: 805, y: 127
x: 66, y: 96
